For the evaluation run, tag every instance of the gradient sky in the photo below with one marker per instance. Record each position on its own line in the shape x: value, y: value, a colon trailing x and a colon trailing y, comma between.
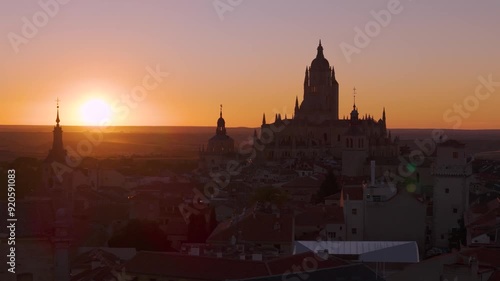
x: 252, y: 60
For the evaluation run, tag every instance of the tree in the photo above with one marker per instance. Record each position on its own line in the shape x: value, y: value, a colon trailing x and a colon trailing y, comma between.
x: 328, y: 187
x: 269, y: 194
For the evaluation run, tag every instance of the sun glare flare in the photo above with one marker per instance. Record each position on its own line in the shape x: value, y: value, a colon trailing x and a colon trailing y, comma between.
x: 95, y: 112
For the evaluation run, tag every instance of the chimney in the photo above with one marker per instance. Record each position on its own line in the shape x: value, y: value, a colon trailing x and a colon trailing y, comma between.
x: 372, y: 172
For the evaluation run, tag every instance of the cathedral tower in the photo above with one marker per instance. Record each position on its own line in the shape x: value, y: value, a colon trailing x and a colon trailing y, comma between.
x: 355, y: 146
x: 321, y: 91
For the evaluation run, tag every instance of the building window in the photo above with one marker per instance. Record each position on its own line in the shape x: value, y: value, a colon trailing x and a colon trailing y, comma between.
x: 446, y: 190
x: 354, y: 231
x: 455, y: 210
x: 455, y: 154
x: 354, y: 211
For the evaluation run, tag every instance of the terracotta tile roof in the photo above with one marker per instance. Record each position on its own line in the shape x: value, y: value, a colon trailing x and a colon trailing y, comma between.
x: 97, y: 274
x: 256, y: 227
x: 452, y: 143
x: 495, y: 276
x: 354, y: 193
x: 335, y: 196
x: 193, y: 267
x: 485, y: 256
x: 210, y: 268
x: 344, y: 180
x: 320, y: 215
x: 305, y: 182
x: 88, y: 257
x: 481, y: 213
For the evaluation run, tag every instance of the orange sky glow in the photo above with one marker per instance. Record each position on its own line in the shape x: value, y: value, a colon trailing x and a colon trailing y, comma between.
x: 433, y: 65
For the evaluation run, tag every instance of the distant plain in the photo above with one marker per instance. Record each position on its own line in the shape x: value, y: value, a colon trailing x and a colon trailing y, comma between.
x: 184, y: 142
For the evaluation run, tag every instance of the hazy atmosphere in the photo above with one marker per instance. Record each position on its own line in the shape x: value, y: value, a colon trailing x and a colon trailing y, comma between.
x: 416, y: 58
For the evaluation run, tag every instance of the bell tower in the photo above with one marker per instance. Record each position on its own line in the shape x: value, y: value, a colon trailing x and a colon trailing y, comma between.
x: 57, y: 155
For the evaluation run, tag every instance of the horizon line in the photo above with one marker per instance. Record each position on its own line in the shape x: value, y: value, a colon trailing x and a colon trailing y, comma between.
x: 237, y: 127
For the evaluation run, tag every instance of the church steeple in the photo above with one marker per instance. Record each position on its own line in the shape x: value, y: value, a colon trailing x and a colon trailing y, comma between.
x: 263, y: 119
x: 57, y: 118
x: 296, y: 105
x: 57, y: 154
x: 383, y: 115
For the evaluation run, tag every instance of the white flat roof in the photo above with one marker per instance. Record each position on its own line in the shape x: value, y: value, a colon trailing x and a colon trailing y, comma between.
x: 369, y: 251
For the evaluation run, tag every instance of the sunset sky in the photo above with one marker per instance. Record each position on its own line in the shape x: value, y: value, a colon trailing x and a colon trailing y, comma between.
x: 248, y: 55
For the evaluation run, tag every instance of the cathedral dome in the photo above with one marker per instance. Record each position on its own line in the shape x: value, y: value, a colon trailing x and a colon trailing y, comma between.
x: 320, y: 63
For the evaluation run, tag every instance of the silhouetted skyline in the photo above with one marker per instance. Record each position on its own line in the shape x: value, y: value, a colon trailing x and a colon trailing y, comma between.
x: 250, y: 57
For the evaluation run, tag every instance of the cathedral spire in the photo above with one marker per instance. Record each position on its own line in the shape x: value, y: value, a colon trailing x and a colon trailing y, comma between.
x: 296, y: 104
x: 306, y: 79
x: 263, y: 119
x: 383, y: 115
x: 320, y: 51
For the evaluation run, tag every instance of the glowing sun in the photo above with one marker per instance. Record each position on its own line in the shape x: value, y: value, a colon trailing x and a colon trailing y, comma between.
x: 95, y: 112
